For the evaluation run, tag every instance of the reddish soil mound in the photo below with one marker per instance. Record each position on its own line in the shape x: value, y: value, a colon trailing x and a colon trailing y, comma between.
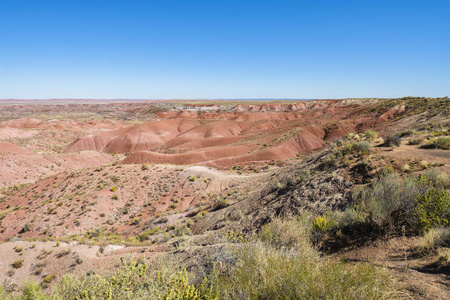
x: 23, y: 123
x: 391, y: 113
x: 61, y: 125
x: 13, y: 149
x: 139, y: 137
x: 83, y: 159
x: 186, y: 158
x: 12, y: 133
x: 19, y: 165
x: 110, y: 197
x: 244, y: 133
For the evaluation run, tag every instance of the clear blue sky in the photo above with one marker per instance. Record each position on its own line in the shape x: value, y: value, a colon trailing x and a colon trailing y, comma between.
x: 224, y: 49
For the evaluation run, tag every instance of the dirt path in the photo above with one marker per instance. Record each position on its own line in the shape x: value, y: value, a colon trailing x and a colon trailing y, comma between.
x: 407, y: 153
x: 221, y: 174
x: 418, y: 153
x: 408, y: 270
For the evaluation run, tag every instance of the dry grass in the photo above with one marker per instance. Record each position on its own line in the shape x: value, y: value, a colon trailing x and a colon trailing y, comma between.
x: 283, y: 264
x: 434, y: 238
x: 443, y: 256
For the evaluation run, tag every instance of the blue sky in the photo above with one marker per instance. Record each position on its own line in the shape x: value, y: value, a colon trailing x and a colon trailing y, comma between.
x: 223, y: 49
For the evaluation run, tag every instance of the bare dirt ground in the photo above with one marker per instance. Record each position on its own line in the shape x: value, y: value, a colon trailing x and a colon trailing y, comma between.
x: 417, y: 277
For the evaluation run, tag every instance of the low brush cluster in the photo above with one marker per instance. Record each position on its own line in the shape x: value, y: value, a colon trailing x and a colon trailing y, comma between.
x: 279, y: 263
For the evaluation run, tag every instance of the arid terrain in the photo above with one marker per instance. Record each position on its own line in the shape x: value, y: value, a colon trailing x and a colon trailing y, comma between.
x: 85, y: 183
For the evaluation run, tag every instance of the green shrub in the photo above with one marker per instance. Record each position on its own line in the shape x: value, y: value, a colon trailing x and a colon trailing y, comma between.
x: 392, y: 203
x: 33, y: 291
x: 442, y: 143
x: 320, y: 224
x: 406, y: 132
x: 362, y: 167
x: 25, y: 228
x: 145, y: 235
x: 134, y: 281
x: 416, y: 140
x: 385, y: 171
x: 357, y: 148
x: 18, y: 263
x: 351, y: 136
x: 389, y: 202
x: 433, y: 209
x: 280, y: 264
x: 371, y: 135
x: 50, y: 278
x: 438, y: 180
x: 392, y: 140
x: 293, y: 269
x: 180, y: 289
x: 220, y: 204
x: 332, y: 160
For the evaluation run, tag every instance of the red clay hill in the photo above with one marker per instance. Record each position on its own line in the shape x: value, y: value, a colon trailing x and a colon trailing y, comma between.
x: 222, y: 136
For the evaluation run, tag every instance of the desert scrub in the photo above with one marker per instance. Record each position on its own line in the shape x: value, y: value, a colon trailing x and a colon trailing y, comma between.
x: 320, y: 224
x: 389, y: 202
x: 363, y: 167
x: 442, y: 143
x: 18, y: 263
x: 265, y: 269
x: 49, y: 278
x: 220, y: 204
x: 433, y: 209
x: 415, y: 203
x: 424, y: 164
x: 25, y: 228
x: 64, y: 252
x: 438, y: 180
x: 30, y: 291
x: 356, y: 148
x: 135, y: 281
x: 392, y: 140
x: 371, y: 135
x: 332, y: 160
x: 443, y: 256
x: 416, y: 140
x: 385, y: 171
x: 352, y: 136
x: 434, y: 239
x: 143, y: 236
x: 345, y: 150
x: 288, y: 233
